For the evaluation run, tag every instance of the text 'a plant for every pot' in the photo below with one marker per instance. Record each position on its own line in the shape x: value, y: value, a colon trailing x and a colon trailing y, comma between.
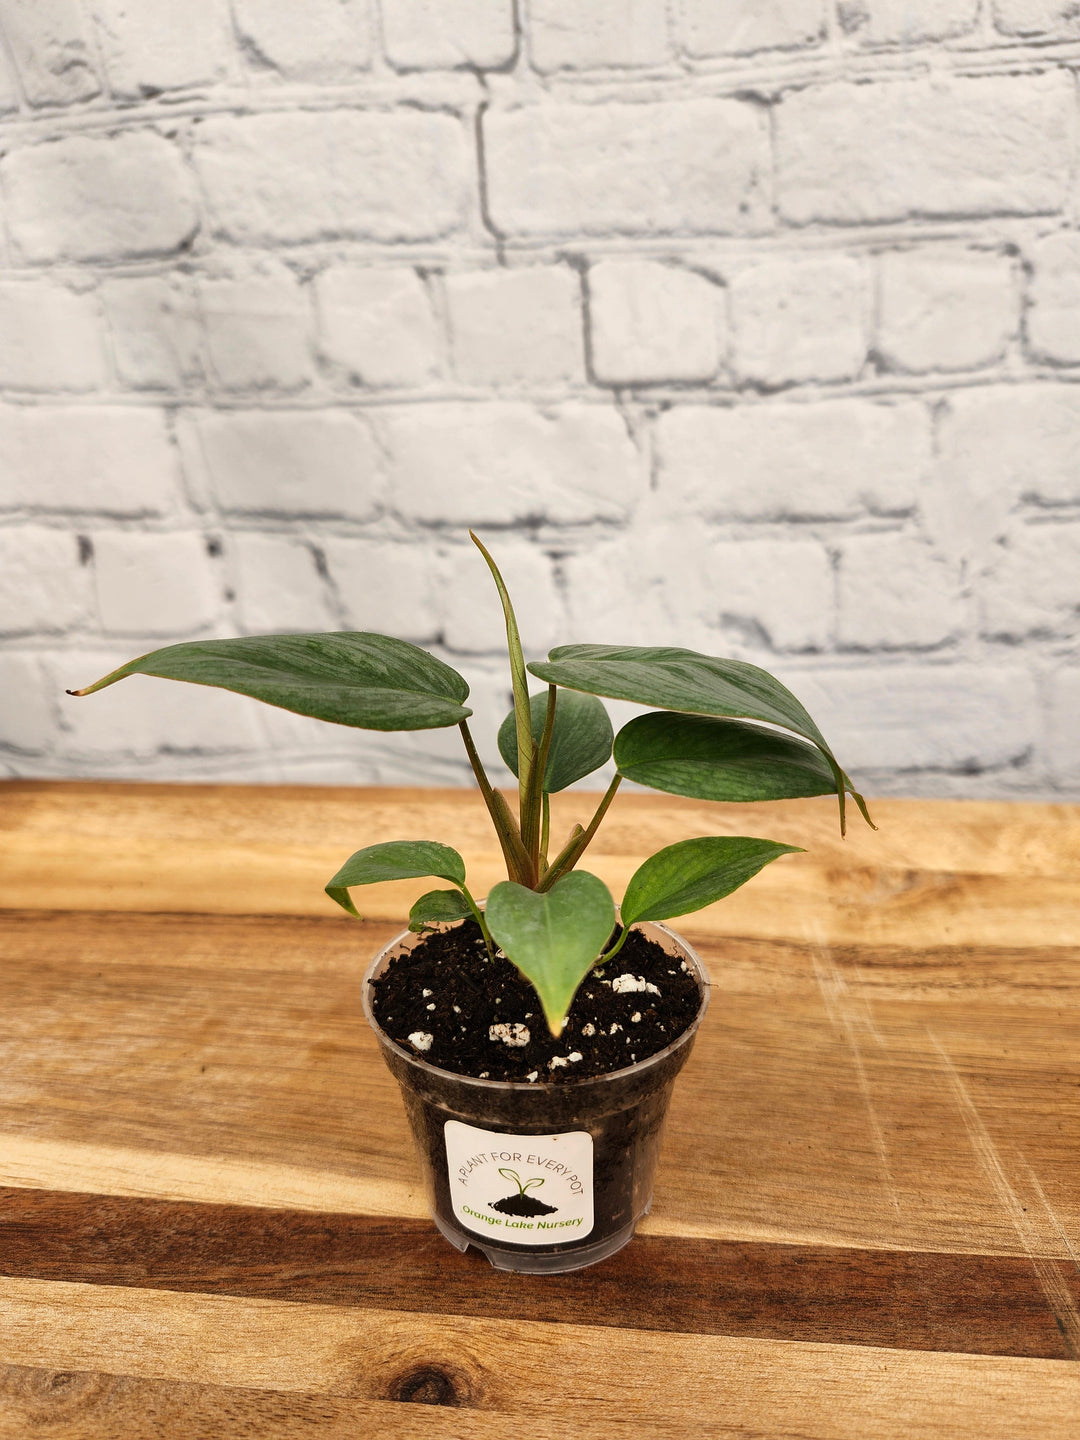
x: 536, y: 1037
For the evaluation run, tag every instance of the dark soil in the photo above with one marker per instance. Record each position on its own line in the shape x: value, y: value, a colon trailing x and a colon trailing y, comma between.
x: 523, y: 1206
x: 468, y: 994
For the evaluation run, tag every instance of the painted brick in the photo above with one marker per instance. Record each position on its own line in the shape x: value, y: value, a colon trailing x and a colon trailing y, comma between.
x: 42, y: 584
x: 9, y: 94
x: 378, y: 324
x: 26, y: 714
x: 566, y: 35
x: 784, y: 588
x: 800, y: 319
x: 143, y: 716
x: 895, y: 591
x: 258, y: 329
x: 154, y: 584
x: 997, y: 446
x: 52, y: 49
x: 156, y: 331
x: 278, y: 585
x: 1037, y: 19
x: 152, y: 45
x: 52, y: 338
x: 651, y: 585
x: 907, y: 22
x: 87, y: 458
x: 288, y: 462
x: 694, y: 166
x: 385, y: 587
x: 1062, y: 731
x: 833, y: 459
x: 472, y: 616
x: 90, y: 198
x: 495, y: 464
x: 301, y: 176
x: 958, y: 717
x: 665, y: 582
x: 740, y: 27
x: 654, y: 322
x: 1053, y: 317
x: 326, y: 41
x: 945, y: 309
x: 955, y: 146
x: 445, y: 34
x: 512, y: 327
x: 1032, y: 585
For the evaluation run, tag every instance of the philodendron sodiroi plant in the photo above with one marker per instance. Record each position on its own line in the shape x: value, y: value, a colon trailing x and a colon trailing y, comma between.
x: 718, y: 730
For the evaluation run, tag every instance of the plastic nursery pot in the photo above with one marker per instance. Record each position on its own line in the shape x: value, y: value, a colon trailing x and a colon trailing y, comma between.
x: 485, y: 1144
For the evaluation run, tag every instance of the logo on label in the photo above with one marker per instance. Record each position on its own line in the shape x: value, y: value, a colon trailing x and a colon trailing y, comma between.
x: 521, y: 1189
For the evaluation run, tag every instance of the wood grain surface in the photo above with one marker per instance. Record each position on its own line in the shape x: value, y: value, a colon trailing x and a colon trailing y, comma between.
x: 867, y: 1221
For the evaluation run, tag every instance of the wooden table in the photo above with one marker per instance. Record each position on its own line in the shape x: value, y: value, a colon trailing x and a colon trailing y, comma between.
x: 868, y: 1217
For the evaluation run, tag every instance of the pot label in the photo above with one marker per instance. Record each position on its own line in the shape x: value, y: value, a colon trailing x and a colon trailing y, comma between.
x: 521, y: 1189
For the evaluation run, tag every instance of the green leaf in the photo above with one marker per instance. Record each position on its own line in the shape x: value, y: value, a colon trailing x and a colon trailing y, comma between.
x: 580, y: 741
x: 719, y: 759
x: 437, y: 907
x: 395, y: 860
x: 349, y: 677
x: 554, y: 938
x: 683, y: 680
x: 691, y: 874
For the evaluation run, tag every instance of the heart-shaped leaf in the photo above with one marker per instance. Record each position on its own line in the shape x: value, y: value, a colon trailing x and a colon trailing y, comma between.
x: 719, y: 759
x: 691, y: 874
x: 395, y: 860
x: 373, y: 682
x: 580, y: 739
x: 437, y: 907
x: 554, y: 938
x: 683, y: 680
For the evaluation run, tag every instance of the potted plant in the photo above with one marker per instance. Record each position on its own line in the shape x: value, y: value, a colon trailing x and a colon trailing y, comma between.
x: 536, y: 1036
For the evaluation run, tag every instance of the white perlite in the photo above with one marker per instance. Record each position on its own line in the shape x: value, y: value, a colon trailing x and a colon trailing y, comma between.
x: 624, y: 984
x: 421, y: 1040
x: 514, y: 1034
x: 560, y: 1061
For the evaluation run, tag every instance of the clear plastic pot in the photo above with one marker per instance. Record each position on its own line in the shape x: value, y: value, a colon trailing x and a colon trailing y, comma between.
x: 490, y: 1148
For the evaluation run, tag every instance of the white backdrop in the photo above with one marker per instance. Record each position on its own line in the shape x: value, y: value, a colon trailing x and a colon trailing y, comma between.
x: 748, y: 326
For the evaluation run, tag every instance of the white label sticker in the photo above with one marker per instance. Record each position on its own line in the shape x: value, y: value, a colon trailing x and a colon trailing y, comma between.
x: 521, y: 1189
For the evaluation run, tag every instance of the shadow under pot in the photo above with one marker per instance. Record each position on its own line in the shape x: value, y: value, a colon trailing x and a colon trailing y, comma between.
x: 484, y: 1145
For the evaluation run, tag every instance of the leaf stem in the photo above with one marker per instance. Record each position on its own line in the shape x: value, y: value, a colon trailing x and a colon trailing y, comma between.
x: 545, y: 831
x: 522, y: 713
x: 478, y: 916
x: 518, y: 865
x: 610, y: 954
x: 576, y: 846
x: 534, y: 794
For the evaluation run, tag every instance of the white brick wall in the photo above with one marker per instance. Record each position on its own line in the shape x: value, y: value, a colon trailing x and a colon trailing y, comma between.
x: 753, y: 327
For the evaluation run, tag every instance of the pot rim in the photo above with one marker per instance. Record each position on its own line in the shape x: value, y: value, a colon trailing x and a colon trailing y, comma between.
x: 541, y: 1087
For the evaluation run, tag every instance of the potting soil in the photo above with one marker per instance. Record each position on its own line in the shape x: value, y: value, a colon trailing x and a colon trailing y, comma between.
x: 447, y: 1002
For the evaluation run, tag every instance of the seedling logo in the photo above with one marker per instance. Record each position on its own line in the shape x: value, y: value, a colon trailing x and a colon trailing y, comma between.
x: 520, y: 1203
